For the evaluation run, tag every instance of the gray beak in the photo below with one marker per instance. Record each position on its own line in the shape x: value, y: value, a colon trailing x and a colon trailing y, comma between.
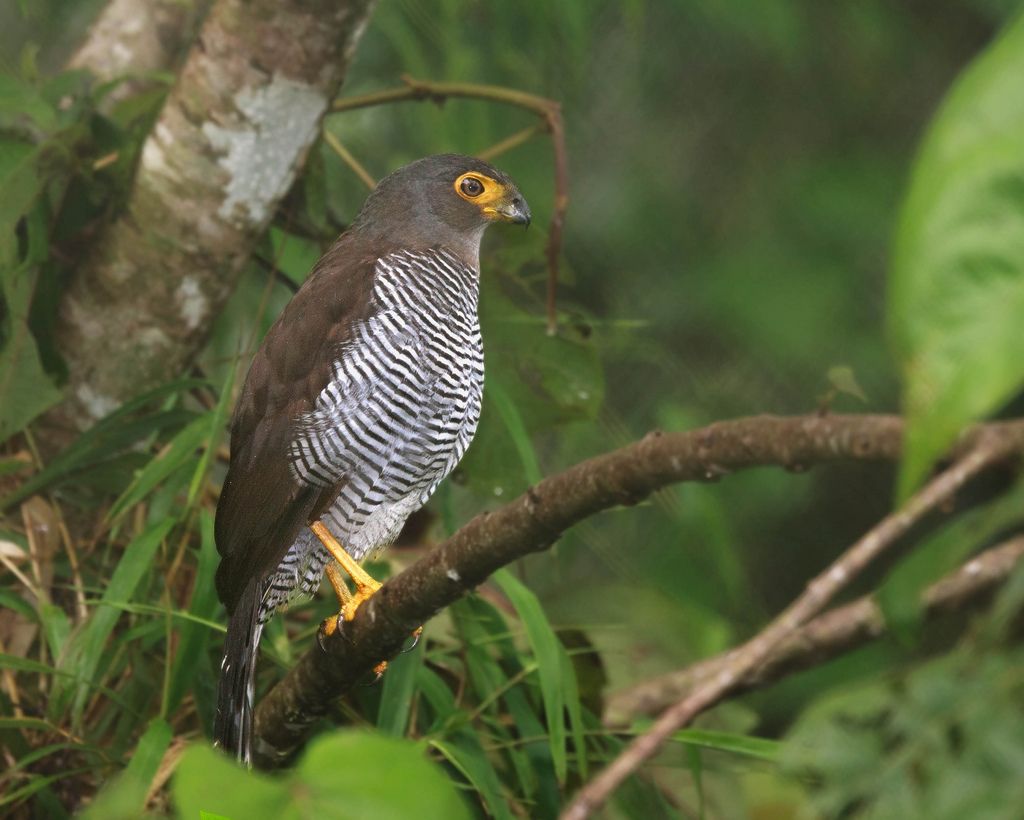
x: 516, y: 210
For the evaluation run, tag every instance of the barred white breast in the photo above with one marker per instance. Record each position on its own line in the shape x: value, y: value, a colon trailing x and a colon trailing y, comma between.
x: 396, y: 417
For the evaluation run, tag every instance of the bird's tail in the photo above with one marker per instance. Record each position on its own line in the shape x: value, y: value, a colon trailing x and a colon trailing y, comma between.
x: 232, y: 725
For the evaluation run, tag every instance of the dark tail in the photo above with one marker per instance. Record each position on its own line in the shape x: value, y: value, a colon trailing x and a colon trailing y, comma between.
x: 232, y: 726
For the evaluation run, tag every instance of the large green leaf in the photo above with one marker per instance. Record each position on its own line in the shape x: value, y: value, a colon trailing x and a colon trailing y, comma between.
x: 343, y: 775
x: 25, y: 388
x: 957, y: 287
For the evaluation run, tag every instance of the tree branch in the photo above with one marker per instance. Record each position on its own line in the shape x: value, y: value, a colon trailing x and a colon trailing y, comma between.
x: 986, y: 450
x: 226, y: 147
x: 536, y: 519
x: 828, y: 636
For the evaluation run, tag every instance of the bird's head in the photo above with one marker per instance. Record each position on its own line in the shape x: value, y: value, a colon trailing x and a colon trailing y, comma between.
x: 447, y: 199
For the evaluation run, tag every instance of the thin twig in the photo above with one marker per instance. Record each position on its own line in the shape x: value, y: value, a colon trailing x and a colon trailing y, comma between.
x: 548, y: 110
x: 834, y: 633
x: 350, y: 160
x: 510, y: 142
x: 754, y: 653
x: 81, y: 611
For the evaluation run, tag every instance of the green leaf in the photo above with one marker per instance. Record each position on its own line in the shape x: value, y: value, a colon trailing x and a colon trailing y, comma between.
x: 547, y: 651
x: 293, y: 255
x: 26, y: 723
x: 12, y: 466
x: 399, y: 688
x: 513, y: 421
x: 437, y: 695
x: 344, y: 775
x: 844, y: 380
x: 208, y: 783
x: 957, y: 282
x: 56, y: 628
x: 19, y: 664
x: 575, y: 709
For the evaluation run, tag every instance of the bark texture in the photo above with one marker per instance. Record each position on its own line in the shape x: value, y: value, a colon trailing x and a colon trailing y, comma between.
x: 133, y: 37
x: 225, y: 149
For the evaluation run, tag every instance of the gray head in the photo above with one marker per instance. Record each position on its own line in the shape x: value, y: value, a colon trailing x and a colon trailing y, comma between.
x: 447, y: 199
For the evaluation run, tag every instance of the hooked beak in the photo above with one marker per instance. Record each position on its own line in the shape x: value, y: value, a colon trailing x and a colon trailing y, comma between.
x: 514, y: 210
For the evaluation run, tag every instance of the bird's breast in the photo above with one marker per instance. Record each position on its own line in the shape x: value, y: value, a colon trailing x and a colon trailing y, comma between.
x: 404, y: 397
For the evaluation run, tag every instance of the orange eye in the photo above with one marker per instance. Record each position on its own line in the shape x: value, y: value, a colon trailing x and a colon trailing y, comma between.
x: 471, y: 186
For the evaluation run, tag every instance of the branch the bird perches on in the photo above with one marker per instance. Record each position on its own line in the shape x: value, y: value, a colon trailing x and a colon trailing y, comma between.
x: 537, y: 518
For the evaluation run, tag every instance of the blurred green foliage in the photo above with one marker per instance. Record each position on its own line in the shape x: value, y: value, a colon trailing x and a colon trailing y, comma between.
x: 736, y: 175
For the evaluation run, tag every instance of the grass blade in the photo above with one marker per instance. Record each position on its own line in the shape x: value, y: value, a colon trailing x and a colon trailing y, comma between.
x: 399, y: 688
x: 547, y: 651
x: 110, y: 435
x: 575, y: 709
x: 516, y: 430
x: 181, y: 448
x: 136, y: 560
x: 746, y: 745
x: 469, y: 758
x: 194, y: 634
x: 217, y: 421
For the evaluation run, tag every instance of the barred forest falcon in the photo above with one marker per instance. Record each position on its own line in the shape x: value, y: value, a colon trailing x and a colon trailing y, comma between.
x: 363, y: 396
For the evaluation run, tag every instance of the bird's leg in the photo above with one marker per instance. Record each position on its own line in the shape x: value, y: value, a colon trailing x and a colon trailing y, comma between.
x: 366, y: 586
x: 349, y: 603
x: 338, y: 584
x: 330, y: 625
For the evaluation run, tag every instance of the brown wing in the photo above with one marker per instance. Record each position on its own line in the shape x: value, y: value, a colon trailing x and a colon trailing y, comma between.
x: 262, y: 507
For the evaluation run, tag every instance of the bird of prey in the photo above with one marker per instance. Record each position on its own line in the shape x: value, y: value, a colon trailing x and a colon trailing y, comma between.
x: 363, y: 396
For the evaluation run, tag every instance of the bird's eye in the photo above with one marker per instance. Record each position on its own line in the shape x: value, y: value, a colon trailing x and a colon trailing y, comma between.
x: 471, y: 186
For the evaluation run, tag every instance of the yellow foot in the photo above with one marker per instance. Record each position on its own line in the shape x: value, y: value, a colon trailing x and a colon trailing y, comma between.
x: 365, y: 590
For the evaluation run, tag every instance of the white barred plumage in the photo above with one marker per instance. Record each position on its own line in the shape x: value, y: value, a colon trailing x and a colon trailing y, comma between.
x: 396, y: 417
